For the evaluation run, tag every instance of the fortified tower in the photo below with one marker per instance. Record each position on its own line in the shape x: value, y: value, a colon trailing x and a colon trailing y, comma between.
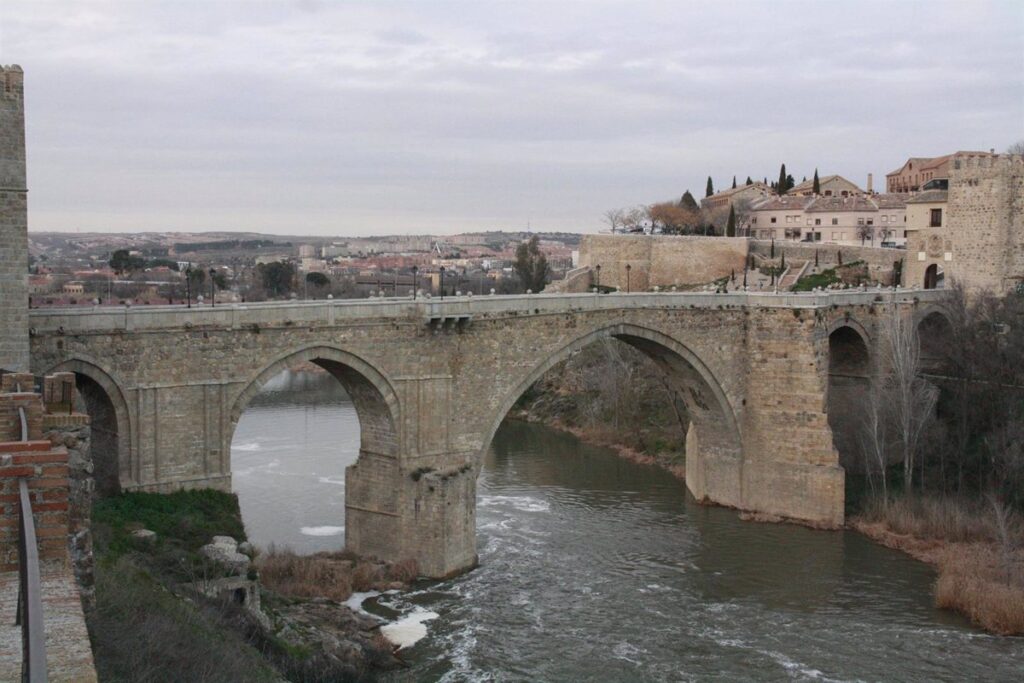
x: 13, y: 223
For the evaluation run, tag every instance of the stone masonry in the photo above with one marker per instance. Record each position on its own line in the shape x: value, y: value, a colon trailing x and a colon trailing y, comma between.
x: 13, y: 224
x: 431, y: 381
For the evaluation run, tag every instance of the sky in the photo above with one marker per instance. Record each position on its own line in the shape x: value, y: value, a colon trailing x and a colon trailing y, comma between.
x: 313, y: 117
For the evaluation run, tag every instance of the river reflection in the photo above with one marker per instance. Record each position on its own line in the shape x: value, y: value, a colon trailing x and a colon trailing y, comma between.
x: 594, y: 568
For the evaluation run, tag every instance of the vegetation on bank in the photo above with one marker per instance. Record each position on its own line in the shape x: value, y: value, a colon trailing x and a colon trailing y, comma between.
x: 148, y: 622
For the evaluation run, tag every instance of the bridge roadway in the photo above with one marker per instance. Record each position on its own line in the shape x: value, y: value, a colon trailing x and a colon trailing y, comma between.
x: 432, y: 379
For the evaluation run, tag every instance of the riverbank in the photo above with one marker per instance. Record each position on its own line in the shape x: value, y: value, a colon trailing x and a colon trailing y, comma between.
x: 978, y: 554
x: 166, y: 602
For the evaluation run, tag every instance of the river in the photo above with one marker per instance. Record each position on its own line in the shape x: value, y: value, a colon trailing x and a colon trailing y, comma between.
x: 595, y: 568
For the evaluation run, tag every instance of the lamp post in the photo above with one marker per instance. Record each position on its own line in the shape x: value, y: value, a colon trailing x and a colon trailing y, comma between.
x: 188, y: 284
x: 415, y: 270
x: 597, y: 268
x: 442, y: 283
x: 213, y: 294
x: 628, y: 268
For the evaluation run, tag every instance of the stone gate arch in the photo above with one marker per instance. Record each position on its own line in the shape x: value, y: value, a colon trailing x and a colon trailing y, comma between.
x: 849, y: 384
x: 714, y: 436
x: 114, y: 467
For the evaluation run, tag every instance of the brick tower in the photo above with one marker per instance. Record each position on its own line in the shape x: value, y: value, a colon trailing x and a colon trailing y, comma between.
x: 13, y: 223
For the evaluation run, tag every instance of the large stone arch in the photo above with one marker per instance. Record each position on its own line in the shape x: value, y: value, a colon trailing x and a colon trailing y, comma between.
x: 372, y: 394
x: 933, y: 325
x: 714, y: 434
x: 110, y: 424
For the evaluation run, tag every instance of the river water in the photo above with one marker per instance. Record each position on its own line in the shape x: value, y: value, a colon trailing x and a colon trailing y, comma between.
x: 594, y: 568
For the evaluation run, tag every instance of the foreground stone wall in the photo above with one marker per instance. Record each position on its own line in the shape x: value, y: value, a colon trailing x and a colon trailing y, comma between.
x: 431, y: 381
x: 661, y: 260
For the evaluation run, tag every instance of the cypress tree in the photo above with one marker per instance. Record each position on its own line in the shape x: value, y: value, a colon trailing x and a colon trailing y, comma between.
x: 734, y: 182
x: 781, y: 185
x: 710, y: 189
x: 749, y: 181
x: 790, y: 183
x: 688, y: 202
x: 730, y: 228
x: 817, y: 184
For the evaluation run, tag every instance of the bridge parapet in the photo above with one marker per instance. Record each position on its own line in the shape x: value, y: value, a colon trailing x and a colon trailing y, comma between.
x: 240, y: 316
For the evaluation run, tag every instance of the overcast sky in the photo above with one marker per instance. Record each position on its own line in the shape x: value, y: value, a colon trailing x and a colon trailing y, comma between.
x: 317, y: 117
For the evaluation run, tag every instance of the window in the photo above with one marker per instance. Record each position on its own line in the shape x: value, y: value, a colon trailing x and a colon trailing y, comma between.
x: 936, y: 221
x: 860, y: 221
x: 773, y: 219
x: 789, y: 219
x: 835, y: 221
x: 904, y: 234
x: 817, y: 237
x: 817, y: 221
x: 885, y: 219
x: 808, y: 221
x: 892, y: 218
x: 871, y: 221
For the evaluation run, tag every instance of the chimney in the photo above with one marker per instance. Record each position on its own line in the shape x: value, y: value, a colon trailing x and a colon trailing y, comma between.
x: 869, y: 183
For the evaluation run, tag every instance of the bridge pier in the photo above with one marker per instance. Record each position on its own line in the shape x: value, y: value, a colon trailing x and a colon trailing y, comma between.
x: 424, y: 513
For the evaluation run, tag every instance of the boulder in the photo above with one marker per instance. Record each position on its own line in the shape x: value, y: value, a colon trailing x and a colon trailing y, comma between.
x: 144, y: 535
x: 224, y: 552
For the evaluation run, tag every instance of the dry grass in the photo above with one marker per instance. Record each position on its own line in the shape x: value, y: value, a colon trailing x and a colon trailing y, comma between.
x: 981, y: 567
x: 329, y: 575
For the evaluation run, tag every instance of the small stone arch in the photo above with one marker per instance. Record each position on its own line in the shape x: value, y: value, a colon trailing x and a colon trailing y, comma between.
x: 712, y: 417
x: 849, y: 384
x: 934, y: 277
x: 375, y: 400
x: 110, y: 424
x: 934, y: 328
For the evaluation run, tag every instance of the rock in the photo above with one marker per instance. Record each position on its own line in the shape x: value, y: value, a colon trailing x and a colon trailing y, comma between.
x: 226, y: 556
x: 246, y: 548
x: 144, y: 535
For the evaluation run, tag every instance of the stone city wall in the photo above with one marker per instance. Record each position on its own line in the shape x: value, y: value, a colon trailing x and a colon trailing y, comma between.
x: 661, y: 260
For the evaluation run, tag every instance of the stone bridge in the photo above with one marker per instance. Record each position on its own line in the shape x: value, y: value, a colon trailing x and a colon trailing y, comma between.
x: 431, y: 380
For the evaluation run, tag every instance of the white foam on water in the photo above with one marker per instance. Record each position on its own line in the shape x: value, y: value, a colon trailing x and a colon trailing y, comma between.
x: 251, y: 446
x: 408, y: 630
x: 521, y: 503
x: 356, y: 600
x: 331, y: 480
x: 321, y: 530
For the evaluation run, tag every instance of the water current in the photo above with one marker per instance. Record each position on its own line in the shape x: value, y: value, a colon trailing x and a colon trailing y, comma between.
x: 594, y: 568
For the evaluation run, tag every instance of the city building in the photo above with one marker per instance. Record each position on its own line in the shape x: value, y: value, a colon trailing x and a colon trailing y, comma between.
x: 726, y: 198
x: 855, y: 219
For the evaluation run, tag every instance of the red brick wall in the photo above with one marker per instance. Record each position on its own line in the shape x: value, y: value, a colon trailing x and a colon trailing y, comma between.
x: 46, y: 469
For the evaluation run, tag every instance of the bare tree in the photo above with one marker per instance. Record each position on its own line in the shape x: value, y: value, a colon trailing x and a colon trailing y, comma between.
x: 910, y: 398
x: 1016, y: 148
x: 614, y: 218
x: 874, y: 437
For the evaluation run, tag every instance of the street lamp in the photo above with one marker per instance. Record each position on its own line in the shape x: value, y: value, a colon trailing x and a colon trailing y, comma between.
x: 597, y: 284
x: 188, y: 284
x: 628, y: 268
x: 415, y: 270
x: 213, y: 294
x: 442, y: 283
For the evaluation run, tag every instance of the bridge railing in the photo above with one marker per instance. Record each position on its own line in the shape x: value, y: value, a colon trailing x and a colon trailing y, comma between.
x: 241, y: 315
x: 30, y: 601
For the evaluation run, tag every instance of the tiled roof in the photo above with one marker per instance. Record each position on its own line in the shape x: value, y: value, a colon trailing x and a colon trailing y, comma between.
x: 775, y: 203
x: 808, y: 185
x: 891, y: 201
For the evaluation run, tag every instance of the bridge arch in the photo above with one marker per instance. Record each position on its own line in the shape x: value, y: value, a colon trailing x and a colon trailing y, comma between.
x: 712, y: 419
x: 849, y: 382
x: 372, y: 394
x: 110, y: 424
x: 934, y: 328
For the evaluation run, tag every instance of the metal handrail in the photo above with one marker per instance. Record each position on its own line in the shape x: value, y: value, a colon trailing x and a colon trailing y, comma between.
x: 30, y: 603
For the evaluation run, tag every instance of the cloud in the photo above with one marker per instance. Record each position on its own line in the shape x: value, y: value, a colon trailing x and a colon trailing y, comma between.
x: 318, y: 117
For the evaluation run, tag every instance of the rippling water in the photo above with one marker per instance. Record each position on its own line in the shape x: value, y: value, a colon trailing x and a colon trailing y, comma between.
x: 593, y: 568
